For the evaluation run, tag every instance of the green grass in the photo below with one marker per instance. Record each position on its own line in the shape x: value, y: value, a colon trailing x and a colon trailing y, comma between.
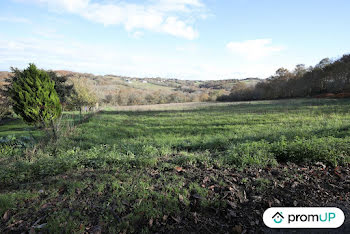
x: 257, y: 133
x: 18, y: 128
x: 121, y: 164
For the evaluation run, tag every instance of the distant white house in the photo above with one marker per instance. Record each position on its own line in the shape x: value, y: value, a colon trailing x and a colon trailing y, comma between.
x: 128, y: 81
x: 144, y: 81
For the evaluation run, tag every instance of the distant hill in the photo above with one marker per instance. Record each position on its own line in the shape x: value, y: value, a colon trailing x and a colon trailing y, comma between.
x: 151, y: 83
x: 227, y: 84
x: 108, y: 86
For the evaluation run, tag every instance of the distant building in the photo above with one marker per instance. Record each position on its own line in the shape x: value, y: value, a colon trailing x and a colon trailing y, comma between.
x: 144, y: 81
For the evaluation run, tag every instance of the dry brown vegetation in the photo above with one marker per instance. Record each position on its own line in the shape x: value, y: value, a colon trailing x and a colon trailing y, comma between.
x: 328, y: 78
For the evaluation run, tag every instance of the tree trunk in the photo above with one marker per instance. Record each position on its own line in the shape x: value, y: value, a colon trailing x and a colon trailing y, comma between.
x: 54, y: 130
x: 80, y: 112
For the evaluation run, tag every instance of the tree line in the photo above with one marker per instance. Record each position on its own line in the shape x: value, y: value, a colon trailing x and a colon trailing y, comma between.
x: 39, y: 97
x: 132, y: 96
x: 328, y: 77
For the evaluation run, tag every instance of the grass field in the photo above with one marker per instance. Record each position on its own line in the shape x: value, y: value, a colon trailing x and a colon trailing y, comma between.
x: 193, y: 167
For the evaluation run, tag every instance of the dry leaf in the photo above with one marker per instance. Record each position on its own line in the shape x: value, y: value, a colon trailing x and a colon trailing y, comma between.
x: 237, y: 229
x: 181, y: 198
x: 205, y: 180
x: 178, y: 169
x: 176, y: 219
x: 6, y: 216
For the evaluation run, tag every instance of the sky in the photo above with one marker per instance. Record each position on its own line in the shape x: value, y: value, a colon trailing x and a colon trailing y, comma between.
x: 184, y: 39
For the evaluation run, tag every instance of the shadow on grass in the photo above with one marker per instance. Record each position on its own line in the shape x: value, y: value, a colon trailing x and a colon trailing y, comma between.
x: 17, y: 127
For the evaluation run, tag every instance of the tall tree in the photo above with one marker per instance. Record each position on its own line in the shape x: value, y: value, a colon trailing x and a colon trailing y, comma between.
x: 300, y: 70
x: 323, y: 63
x: 282, y: 73
x: 34, y: 97
x: 83, y: 94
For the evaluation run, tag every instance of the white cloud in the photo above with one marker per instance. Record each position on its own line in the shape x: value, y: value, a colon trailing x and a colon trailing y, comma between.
x: 179, y: 28
x: 173, y: 17
x: 137, y: 34
x: 254, y: 49
x: 177, y: 5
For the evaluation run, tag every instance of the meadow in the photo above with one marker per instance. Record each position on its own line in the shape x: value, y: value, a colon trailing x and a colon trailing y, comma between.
x: 175, y: 168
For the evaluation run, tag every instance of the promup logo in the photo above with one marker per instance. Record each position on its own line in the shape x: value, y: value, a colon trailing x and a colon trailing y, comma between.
x: 278, y: 217
x: 303, y: 217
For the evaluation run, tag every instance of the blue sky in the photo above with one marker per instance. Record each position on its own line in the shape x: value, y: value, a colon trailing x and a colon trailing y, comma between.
x: 186, y: 39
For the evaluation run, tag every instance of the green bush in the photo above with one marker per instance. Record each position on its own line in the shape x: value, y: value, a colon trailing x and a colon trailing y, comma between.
x: 34, y: 96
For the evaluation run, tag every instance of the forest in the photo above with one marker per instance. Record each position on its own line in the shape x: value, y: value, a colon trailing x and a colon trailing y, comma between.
x: 326, y: 79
